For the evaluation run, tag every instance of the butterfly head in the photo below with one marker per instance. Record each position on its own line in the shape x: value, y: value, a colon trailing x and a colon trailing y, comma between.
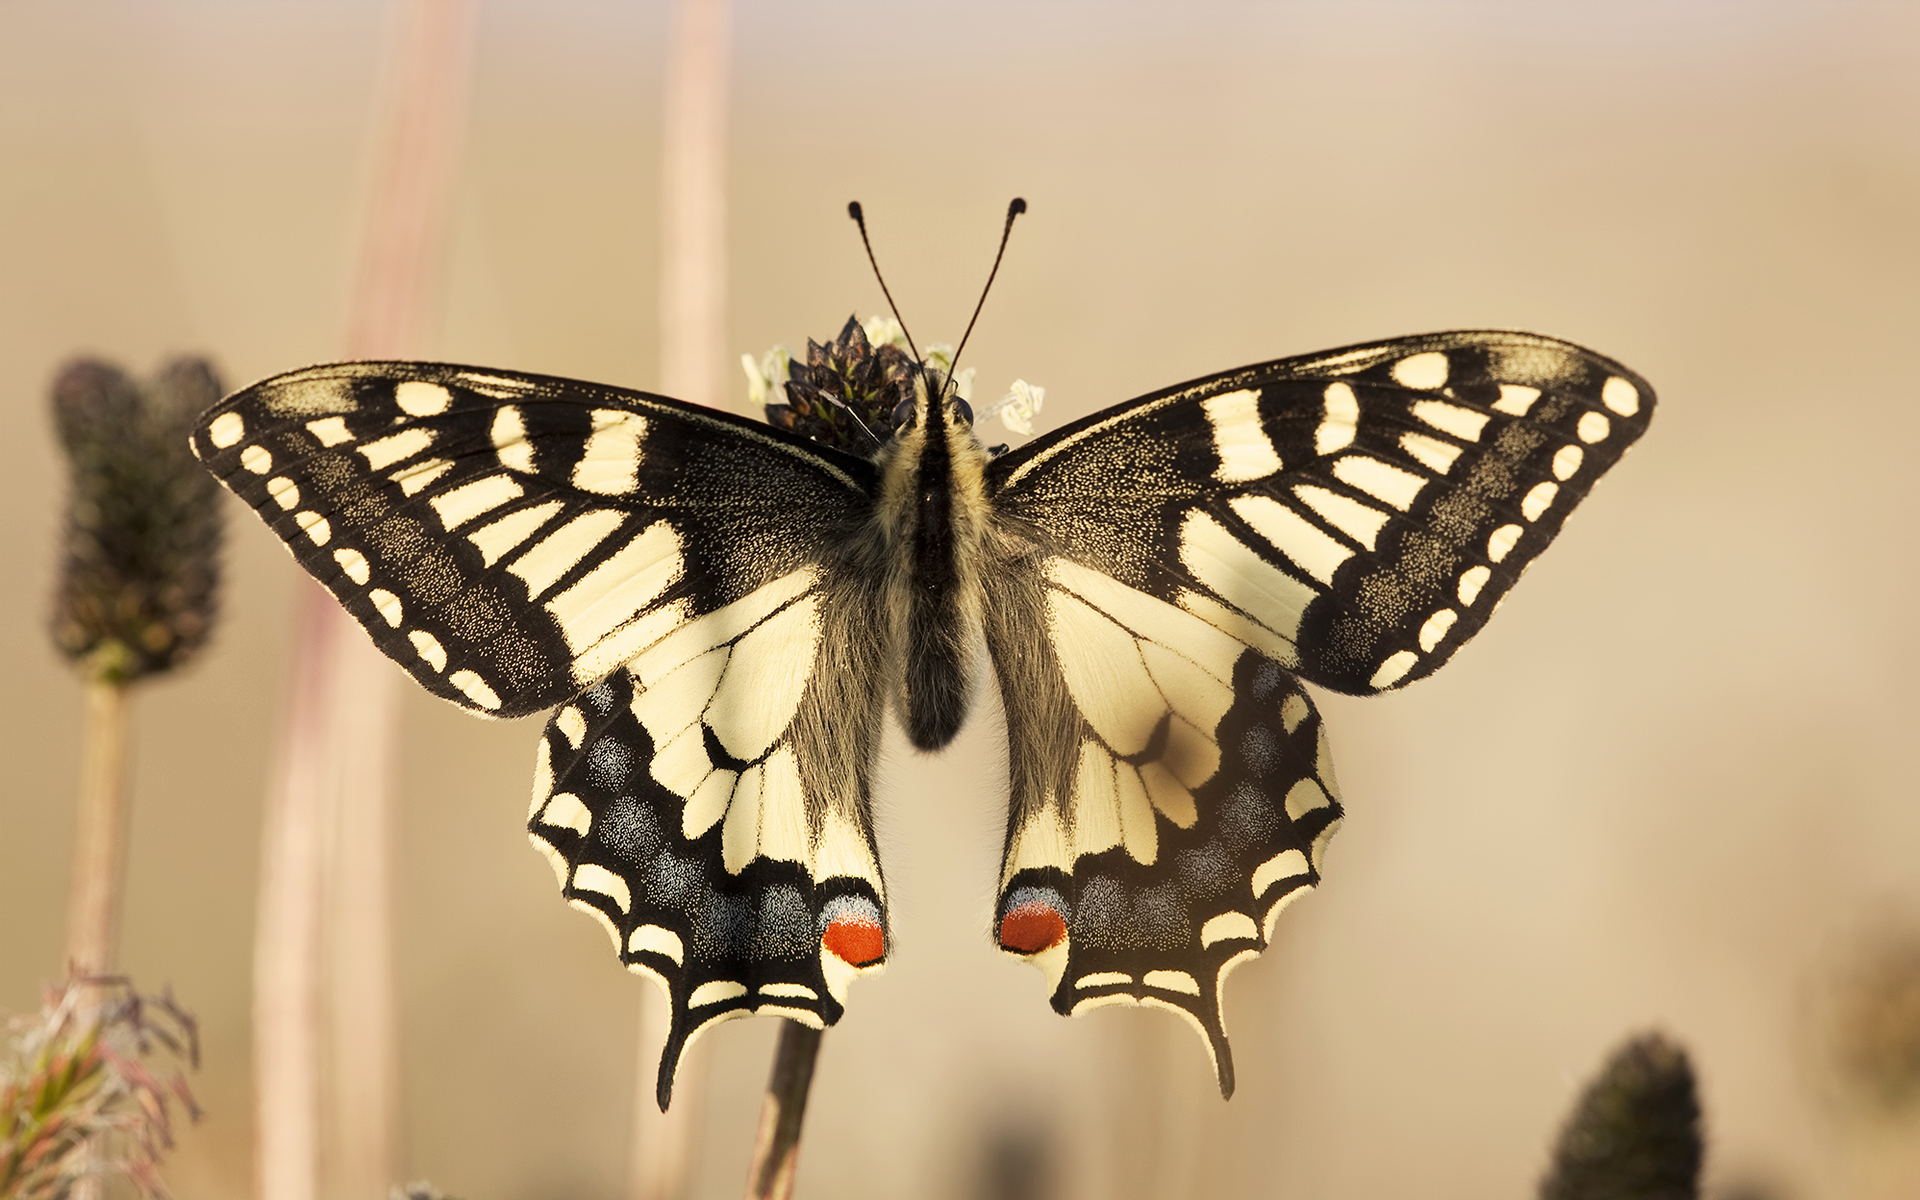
x: 935, y: 403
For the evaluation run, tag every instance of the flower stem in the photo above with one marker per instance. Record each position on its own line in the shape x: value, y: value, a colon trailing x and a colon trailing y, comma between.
x: 100, y: 841
x: 776, y: 1151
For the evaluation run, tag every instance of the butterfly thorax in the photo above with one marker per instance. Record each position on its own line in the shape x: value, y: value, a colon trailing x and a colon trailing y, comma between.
x: 933, y: 519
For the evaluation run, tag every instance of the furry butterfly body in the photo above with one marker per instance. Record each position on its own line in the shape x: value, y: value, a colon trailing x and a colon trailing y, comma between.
x: 725, y: 612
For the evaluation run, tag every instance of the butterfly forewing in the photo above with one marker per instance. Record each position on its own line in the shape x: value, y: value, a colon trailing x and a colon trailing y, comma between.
x: 1356, y: 515
x: 1173, y: 564
x: 509, y: 539
x: 512, y: 539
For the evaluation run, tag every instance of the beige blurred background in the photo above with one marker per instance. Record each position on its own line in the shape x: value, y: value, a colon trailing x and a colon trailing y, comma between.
x: 1660, y: 791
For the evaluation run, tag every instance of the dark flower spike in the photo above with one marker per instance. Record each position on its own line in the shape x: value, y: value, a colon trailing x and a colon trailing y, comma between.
x: 845, y: 393
x: 1635, y: 1133
x: 140, y: 557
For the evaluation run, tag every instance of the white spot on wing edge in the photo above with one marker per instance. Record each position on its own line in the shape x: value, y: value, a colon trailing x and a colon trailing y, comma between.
x: 1172, y: 981
x: 315, y: 525
x: 475, y: 689
x: 354, y: 564
x: 1227, y: 925
x: 285, y: 492
x: 1501, y: 542
x: 1394, y: 669
x: 1566, y: 461
x: 429, y: 649
x: 715, y: 991
x: 1538, y: 499
x: 1096, y: 979
x: 1244, y: 449
x: 226, y: 430
x: 571, y: 724
x: 1436, y: 628
x: 387, y: 605
x: 1620, y: 396
x: 1426, y: 371
x: 419, y: 398
x: 658, y: 940
x: 592, y: 877
x: 1593, y: 427
x: 797, y: 991
x: 1471, y: 581
x: 565, y: 811
x: 257, y: 459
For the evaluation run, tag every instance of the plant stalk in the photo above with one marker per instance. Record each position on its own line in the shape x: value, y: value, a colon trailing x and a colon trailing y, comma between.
x: 776, y: 1151
x: 100, y: 841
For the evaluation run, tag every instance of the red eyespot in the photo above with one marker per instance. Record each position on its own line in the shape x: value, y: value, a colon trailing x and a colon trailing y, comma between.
x: 855, y: 938
x: 1032, y: 927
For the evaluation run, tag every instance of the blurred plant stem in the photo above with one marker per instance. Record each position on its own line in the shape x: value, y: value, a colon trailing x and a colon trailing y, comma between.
x: 99, y: 846
x: 776, y: 1151
x: 693, y: 333
x: 323, y: 940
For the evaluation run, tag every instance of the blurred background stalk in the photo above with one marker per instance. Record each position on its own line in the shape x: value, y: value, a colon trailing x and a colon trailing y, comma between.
x: 693, y: 359
x: 325, y: 892
x: 99, y: 844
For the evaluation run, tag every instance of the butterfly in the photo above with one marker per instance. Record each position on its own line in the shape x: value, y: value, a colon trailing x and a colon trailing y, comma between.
x: 724, y: 613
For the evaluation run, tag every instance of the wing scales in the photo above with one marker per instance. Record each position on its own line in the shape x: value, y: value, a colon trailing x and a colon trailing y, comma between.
x: 1363, y: 511
x: 685, y: 803
x: 1171, y: 565
x: 1171, y: 792
x: 509, y: 539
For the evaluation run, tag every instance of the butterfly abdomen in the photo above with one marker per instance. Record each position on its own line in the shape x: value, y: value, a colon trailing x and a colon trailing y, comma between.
x: 934, y: 512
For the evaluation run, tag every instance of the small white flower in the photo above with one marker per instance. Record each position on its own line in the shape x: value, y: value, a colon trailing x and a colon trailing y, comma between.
x: 1020, y: 406
x: 767, y: 379
x: 882, y: 330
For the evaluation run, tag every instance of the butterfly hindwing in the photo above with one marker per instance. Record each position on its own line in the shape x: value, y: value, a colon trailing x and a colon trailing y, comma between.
x: 1173, y: 567
x: 688, y: 803
x: 1357, y: 514
x: 509, y: 539
x: 1171, y: 793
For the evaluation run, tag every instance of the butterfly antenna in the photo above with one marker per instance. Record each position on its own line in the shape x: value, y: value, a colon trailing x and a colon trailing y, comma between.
x: 1013, y: 210
x: 854, y: 416
x: 860, y: 219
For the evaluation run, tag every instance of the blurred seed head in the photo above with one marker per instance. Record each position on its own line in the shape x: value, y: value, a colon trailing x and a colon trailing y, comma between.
x: 139, y: 574
x: 1635, y: 1133
x: 1875, y: 1018
x: 88, y: 1087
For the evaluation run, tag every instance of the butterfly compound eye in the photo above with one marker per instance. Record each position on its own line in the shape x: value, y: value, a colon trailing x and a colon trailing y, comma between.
x: 903, y: 414
x: 963, y: 409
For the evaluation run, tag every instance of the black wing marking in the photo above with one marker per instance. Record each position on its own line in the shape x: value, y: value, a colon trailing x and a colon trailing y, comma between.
x: 1172, y: 792
x: 709, y: 804
x: 1352, y: 517
x: 509, y: 539
x: 1355, y: 515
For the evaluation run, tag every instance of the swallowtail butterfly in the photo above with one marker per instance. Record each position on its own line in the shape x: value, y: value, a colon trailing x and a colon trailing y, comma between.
x: 724, y: 612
